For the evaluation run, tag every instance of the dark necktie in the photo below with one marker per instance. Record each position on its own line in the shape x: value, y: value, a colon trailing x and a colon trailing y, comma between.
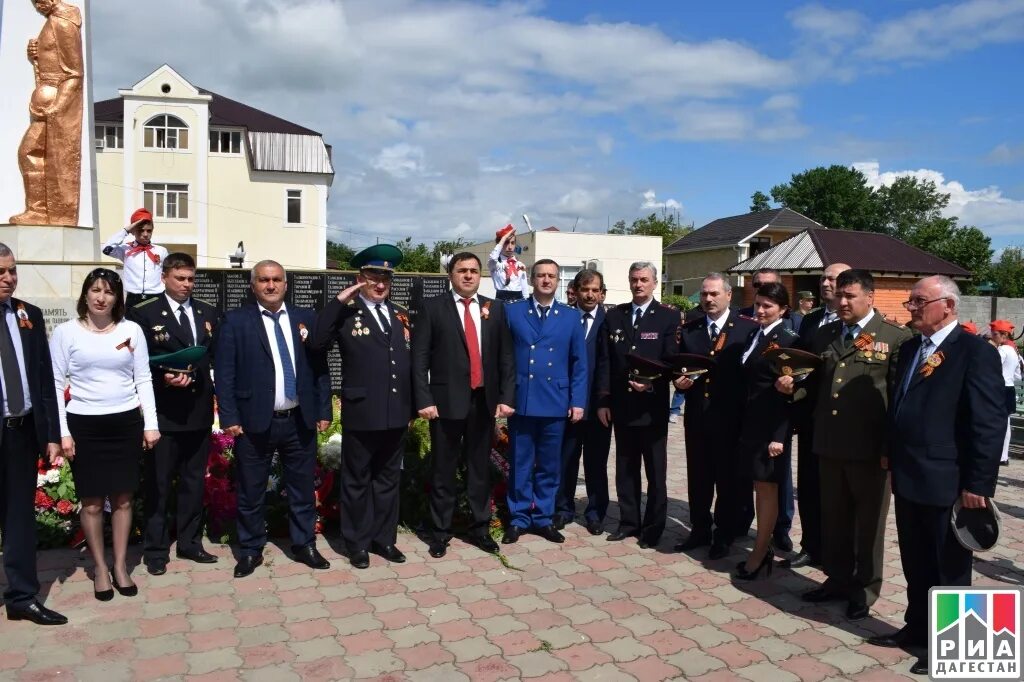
x: 587, y: 317
x: 186, y: 328
x: 12, y: 372
x: 637, y: 314
x: 476, y: 365
x: 286, y: 357
x: 848, y: 338
x: 543, y: 311
x: 713, y: 331
x: 382, y: 315
x: 922, y: 356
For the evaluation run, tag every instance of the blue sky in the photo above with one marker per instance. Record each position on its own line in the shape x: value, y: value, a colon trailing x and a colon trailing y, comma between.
x: 451, y: 118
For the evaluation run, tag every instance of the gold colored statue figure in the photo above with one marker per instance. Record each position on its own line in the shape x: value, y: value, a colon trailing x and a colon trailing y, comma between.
x: 50, y: 155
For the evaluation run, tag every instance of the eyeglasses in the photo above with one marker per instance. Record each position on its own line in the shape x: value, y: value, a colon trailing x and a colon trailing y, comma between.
x: 103, y: 273
x: 918, y: 303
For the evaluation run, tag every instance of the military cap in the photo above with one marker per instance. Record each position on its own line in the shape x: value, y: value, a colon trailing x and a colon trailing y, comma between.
x: 689, y: 365
x: 976, y: 529
x: 181, y: 362
x: 801, y: 295
x: 378, y: 257
x: 644, y: 370
x: 792, y: 362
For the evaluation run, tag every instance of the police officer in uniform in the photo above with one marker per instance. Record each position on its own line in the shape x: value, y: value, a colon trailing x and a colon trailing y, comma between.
x: 638, y: 411
x: 173, y: 322
x: 373, y: 336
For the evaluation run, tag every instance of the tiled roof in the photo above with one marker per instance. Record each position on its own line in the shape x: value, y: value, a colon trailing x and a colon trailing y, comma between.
x: 815, y: 248
x: 729, y: 231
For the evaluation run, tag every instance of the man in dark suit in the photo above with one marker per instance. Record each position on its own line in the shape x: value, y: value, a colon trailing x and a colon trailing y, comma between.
x: 463, y: 378
x: 551, y: 384
x: 714, y: 403
x: 28, y: 430
x: 639, y: 411
x: 947, y: 420
x: 807, y: 484
x: 859, y: 353
x: 173, y: 321
x: 273, y: 393
x: 588, y: 436
x: 373, y: 335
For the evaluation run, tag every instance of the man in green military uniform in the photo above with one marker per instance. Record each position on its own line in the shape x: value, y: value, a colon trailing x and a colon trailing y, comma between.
x: 858, y: 354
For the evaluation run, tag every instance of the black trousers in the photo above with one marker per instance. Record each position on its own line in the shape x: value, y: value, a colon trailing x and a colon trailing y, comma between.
x: 931, y: 557
x: 371, y: 470
x: 296, y: 446
x: 647, y: 445
x: 712, y: 466
x: 503, y: 295
x: 18, y: 450
x: 452, y: 439
x: 808, y: 485
x: 178, y: 456
x: 591, y: 439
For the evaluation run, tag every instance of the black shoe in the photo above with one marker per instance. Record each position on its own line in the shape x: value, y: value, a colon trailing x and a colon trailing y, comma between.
x: 800, y: 560
x: 822, y: 594
x: 199, y: 555
x: 693, y: 542
x: 856, y: 611
x: 247, y: 564
x: 102, y: 595
x: 485, y: 542
x: 438, y: 548
x: 619, y: 535
x: 309, y: 556
x: 920, y: 667
x: 719, y: 550
x: 156, y: 566
x: 647, y: 543
x: 129, y: 591
x: 898, y: 640
x: 558, y: 522
x: 550, y: 534
x: 766, y: 563
x: 595, y: 527
x: 782, y: 543
x: 359, y: 559
x: 389, y: 552
x: 512, y: 534
x: 37, y: 613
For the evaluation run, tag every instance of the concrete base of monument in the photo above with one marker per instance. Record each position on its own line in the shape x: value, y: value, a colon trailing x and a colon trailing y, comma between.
x: 50, y: 243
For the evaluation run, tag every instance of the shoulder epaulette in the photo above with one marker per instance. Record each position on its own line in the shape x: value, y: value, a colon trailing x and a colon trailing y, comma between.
x: 203, y: 300
x: 789, y: 331
x: 399, y: 306
x: 669, y: 306
x: 748, y: 318
x: 892, y: 323
x: 146, y: 302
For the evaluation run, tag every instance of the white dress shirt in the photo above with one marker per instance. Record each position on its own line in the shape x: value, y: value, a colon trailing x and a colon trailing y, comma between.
x: 141, y: 275
x: 189, y: 314
x: 643, y: 308
x: 765, y: 331
x: 588, y: 323
x: 372, y: 307
x: 474, y: 312
x: 720, y: 322
x: 11, y: 318
x: 858, y: 327
x: 496, y: 263
x: 280, y: 401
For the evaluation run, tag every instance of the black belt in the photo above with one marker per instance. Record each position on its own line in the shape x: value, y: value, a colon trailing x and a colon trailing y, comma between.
x: 284, y: 414
x: 17, y: 422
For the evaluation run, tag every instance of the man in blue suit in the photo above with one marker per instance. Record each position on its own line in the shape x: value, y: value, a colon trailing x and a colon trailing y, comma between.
x: 551, y: 384
x: 946, y: 427
x: 273, y: 394
x: 589, y: 436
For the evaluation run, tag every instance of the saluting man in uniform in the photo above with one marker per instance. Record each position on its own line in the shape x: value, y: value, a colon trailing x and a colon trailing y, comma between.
x: 184, y: 407
x: 551, y: 384
x: 373, y: 335
x: 638, y: 412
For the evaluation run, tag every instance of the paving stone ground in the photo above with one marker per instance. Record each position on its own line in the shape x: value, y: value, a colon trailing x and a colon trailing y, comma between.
x: 588, y: 610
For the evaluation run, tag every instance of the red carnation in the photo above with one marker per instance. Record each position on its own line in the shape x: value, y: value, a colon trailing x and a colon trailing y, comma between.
x: 43, y: 501
x: 64, y: 507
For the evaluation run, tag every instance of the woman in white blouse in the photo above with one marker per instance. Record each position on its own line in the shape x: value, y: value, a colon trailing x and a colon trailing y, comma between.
x: 110, y: 419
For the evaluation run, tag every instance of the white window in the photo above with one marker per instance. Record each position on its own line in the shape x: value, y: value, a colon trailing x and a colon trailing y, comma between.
x: 568, y: 274
x: 166, y: 200
x: 225, y: 141
x: 165, y: 132
x: 109, y: 136
x: 294, y: 208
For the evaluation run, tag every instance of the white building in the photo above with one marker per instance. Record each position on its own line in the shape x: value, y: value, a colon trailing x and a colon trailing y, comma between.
x: 213, y: 172
x: 610, y: 254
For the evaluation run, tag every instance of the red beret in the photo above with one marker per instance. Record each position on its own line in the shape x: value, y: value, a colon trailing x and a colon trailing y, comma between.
x: 140, y: 214
x: 1004, y: 326
x: 970, y: 327
x: 505, y: 230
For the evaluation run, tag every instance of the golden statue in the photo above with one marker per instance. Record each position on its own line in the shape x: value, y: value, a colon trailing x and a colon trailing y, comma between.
x: 50, y: 155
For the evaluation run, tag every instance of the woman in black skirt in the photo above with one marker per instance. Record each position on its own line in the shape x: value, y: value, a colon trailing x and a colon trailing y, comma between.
x: 110, y: 420
x: 765, y: 425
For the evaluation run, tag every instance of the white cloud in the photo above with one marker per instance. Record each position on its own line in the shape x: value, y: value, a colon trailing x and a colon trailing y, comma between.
x: 400, y: 160
x: 985, y: 208
x: 828, y: 24
x: 650, y: 201
x: 606, y: 143
x: 781, y: 102
x: 1006, y: 154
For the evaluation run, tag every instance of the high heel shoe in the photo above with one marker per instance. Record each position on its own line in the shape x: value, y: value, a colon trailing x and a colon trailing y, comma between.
x: 129, y: 591
x: 766, y: 563
x: 103, y: 595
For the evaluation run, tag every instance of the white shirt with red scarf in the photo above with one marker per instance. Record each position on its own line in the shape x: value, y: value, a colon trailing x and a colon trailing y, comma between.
x: 508, y: 274
x: 142, y: 264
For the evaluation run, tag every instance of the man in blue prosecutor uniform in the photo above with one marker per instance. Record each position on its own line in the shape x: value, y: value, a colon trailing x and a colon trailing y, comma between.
x: 589, y: 436
x: 273, y: 393
x: 373, y: 337
x: 551, y: 384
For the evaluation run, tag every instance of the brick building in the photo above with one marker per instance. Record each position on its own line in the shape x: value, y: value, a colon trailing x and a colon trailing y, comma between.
x: 801, y: 259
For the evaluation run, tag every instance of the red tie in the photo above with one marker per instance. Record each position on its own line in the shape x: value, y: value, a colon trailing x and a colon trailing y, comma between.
x: 147, y: 249
x: 476, y: 366
x: 511, y: 270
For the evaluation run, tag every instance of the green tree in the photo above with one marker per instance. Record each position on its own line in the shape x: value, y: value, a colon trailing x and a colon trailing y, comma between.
x: 907, y: 205
x: 416, y: 257
x: 965, y: 245
x: 667, y: 227
x: 340, y: 252
x: 1007, y: 273
x: 759, y: 202
x: 837, y: 197
x: 448, y: 246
